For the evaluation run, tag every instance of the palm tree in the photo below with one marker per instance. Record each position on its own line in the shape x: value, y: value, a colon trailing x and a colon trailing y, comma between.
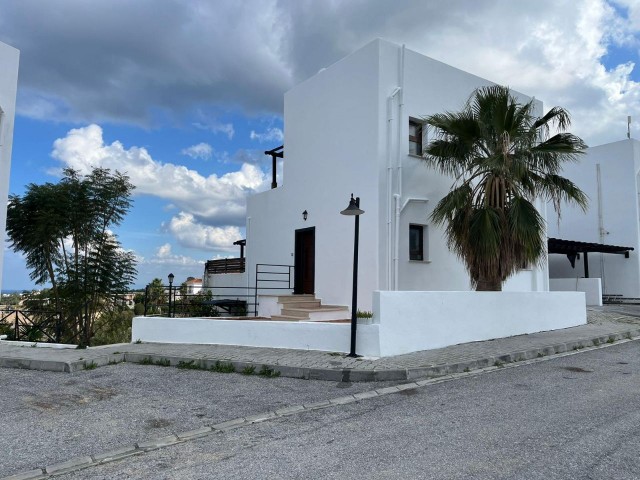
x: 502, y: 158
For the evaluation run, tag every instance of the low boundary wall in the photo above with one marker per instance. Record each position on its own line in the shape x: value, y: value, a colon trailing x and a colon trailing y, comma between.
x: 591, y: 287
x: 404, y: 322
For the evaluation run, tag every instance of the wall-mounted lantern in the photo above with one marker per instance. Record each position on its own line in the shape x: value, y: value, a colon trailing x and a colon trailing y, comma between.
x: 305, y: 214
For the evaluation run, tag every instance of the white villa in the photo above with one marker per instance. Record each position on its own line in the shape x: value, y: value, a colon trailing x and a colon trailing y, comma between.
x: 606, y: 261
x: 9, y: 58
x: 356, y: 127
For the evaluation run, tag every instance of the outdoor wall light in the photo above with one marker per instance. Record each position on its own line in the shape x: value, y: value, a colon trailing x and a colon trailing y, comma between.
x: 305, y: 214
x: 354, y: 210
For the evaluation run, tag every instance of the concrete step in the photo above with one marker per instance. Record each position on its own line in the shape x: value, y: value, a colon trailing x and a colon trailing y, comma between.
x: 285, y: 318
x: 302, y: 304
x: 318, y: 314
x: 296, y: 298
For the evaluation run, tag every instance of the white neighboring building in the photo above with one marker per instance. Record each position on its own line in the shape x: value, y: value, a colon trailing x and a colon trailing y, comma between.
x: 9, y: 58
x: 347, y: 130
x: 610, y: 175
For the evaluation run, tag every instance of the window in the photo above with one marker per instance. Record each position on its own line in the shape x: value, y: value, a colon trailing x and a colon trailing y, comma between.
x: 415, y: 138
x: 416, y: 242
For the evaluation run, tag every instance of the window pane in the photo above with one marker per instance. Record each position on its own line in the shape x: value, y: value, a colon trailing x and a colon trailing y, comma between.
x: 416, y: 242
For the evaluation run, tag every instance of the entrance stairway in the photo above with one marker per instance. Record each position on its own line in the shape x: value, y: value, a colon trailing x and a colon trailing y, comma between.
x: 306, y: 308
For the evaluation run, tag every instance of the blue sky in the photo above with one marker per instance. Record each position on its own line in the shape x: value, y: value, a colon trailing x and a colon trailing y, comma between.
x: 185, y: 96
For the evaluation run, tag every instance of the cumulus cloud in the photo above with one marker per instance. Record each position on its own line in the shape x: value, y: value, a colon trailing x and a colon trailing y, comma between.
x: 216, y: 127
x: 189, y: 233
x: 165, y: 256
x: 140, y: 58
x: 214, y: 200
x: 202, y: 151
x: 271, y: 135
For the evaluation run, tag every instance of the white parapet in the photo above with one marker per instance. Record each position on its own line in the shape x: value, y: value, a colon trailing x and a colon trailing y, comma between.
x: 330, y: 337
x: 404, y: 322
x: 592, y: 288
x: 413, y: 321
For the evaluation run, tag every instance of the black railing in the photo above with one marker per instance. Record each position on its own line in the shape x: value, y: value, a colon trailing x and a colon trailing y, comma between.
x: 32, y: 325
x: 216, y: 301
x: 278, y: 276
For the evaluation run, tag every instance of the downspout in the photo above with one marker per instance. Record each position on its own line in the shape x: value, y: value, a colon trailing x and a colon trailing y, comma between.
x: 601, y: 230
x: 389, y: 188
x: 398, y: 195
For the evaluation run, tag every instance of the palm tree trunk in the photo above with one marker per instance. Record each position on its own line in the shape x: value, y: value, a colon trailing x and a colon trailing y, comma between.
x: 489, y: 285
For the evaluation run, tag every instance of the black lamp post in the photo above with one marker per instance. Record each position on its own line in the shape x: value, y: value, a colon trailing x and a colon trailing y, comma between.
x: 171, y: 277
x: 354, y: 209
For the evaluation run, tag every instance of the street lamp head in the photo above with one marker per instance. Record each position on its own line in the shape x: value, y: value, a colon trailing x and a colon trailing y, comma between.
x: 171, y: 277
x: 353, y: 208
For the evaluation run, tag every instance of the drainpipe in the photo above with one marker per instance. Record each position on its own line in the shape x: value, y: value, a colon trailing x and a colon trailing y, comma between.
x: 601, y: 230
x: 389, y: 188
x: 398, y: 195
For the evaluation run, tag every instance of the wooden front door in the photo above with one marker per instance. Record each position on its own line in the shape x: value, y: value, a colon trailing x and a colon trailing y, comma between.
x: 305, y: 261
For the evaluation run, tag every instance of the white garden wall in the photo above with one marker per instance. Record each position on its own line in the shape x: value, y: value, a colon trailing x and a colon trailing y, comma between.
x: 590, y: 286
x: 404, y: 322
x: 413, y: 321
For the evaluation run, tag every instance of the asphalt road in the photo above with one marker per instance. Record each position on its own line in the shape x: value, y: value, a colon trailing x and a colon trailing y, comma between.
x: 576, y: 417
x: 49, y: 417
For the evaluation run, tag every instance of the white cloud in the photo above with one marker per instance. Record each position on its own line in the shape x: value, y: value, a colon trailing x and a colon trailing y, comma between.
x: 214, y: 200
x: 163, y: 251
x: 202, y: 150
x: 271, y: 135
x: 189, y: 233
x: 217, y: 127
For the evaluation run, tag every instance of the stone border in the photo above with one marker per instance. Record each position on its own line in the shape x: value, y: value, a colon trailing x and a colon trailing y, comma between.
x: 329, y: 374
x: 510, y: 361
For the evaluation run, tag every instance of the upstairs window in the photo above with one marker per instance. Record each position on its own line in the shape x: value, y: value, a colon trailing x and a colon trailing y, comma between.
x: 415, y: 138
x: 416, y: 242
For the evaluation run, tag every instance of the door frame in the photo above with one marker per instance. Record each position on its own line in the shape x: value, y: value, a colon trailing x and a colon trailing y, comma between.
x: 299, y: 263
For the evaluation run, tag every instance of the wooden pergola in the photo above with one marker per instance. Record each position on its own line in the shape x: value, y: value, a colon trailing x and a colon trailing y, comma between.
x: 572, y: 249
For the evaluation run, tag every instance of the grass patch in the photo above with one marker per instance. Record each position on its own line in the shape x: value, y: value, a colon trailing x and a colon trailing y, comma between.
x: 627, y: 335
x: 250, y: 370
x: 578, y: 347
x: 221, y: 367
x: 334, y: 354
x: 595, y: 342
x: 190, y: 365
x: 268, y: 372
x: 138, y: 341
x: 90, y: 365
x: 364, y: 314
x: 466, y: 370
x: 163, y: 362
x: 611, y: 339
x: 498, y: 364
x: 146, y: 361
x: 540, y: 354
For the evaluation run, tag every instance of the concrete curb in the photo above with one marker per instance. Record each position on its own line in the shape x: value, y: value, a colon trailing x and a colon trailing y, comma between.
x: 510, y: 361
x: 327, y: 374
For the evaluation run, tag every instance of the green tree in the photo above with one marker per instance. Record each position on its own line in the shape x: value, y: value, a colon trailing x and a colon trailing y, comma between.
x: 502, y: 158
x: 65, y: 232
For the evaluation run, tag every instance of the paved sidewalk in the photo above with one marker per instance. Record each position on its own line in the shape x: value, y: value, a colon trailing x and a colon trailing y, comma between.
x: 606, y: 325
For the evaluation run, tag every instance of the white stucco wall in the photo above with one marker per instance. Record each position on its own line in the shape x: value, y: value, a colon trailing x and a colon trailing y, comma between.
x: 619, y: 167
x: 413, y: 321
x: 9, y: 58
x: 405, y: 322
x: 590, y: 286
x: 346, y: 131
